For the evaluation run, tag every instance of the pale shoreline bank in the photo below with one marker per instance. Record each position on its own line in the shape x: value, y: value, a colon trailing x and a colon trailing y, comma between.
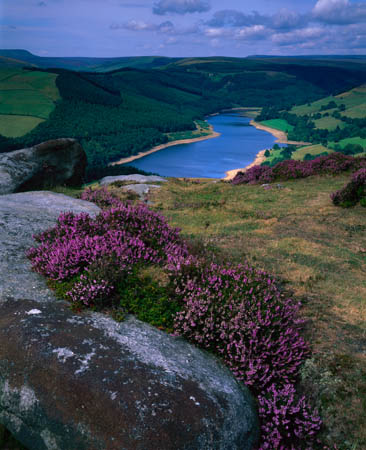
x: 281, y: 139
x: 213, y: 134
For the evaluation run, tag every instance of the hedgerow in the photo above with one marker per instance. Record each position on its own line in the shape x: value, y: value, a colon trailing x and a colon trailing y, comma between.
x: 236, y: 312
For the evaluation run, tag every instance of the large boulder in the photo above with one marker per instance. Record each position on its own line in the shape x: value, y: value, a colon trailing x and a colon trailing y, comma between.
x: 83, y: 381
x: 60, y: 161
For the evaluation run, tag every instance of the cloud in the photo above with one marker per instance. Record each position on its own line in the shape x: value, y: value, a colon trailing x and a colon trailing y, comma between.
x: 288, y: 20
x: 299, y: 36
x: 166, y: 27
x: 134, y: 25
x: 181, y: 7
x: 233, y: 18
x: 282, y: 20
x: 253, y: 33
x: 339, y: 12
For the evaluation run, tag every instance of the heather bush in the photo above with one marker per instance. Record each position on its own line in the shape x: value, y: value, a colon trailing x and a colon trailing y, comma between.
x: 287, y: 422
x: 353, y: 192
x: 240, y: 314
x: 129, y: 259
x: 291, y: 169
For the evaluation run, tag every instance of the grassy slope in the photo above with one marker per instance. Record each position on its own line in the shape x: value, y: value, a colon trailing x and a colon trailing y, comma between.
x: 278, y: 124
x: 26, y: 99
x: 354, y: 140
x: 354, y: 101
x: 316, y: 149
x: 320, y: 253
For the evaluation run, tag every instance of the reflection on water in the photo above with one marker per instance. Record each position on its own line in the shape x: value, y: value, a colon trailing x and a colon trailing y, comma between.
x: 237, y: 147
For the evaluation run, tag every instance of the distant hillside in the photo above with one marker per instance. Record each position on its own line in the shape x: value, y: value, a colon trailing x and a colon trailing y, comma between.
x: 85, y: 63
x: 333, y: 123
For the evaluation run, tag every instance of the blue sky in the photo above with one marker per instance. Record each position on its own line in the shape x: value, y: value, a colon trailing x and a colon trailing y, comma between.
x: 183, y: 27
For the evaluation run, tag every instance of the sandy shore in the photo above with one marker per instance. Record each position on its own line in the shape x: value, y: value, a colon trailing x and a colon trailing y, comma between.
x: 281, y: 139
x: 280, y: 135
x: 213, y: 134
x: 230, y: 174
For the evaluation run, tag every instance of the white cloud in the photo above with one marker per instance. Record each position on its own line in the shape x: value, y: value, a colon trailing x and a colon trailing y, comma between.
x: 163, y: 7
x: 299, y: 36
x: 339, y: 12
x: 252, y: 33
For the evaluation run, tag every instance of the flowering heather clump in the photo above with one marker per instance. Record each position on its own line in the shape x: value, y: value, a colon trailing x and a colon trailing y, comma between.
x: 353, y: 192
x: 239, y: 313
x: 89, y: 291
x: 127, y: 234
x: 291, y: 169
x: 254, y: 175
x: 101, y: 196
x: 286, y: 420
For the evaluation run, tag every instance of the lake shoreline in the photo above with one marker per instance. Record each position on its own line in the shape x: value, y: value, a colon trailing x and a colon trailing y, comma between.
x: 230, y: 174
x: 280, y: 135
x: 213, y: 134
x: 281, y: 138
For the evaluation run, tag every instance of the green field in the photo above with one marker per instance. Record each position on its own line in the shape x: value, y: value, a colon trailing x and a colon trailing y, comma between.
x: 16, y: 125
x: 329, y: 123
x: 278, y: 124
x: 354, y: 140
x: 316, y: 149
x: 26, y: 99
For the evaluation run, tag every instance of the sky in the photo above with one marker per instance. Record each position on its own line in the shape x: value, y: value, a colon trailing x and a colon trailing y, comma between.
x: 183, y: 27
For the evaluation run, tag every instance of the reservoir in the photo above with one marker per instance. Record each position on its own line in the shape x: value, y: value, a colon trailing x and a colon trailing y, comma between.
x: 236, y: 147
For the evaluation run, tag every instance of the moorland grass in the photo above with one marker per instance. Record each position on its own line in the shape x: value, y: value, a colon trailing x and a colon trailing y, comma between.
x: 319, y: 252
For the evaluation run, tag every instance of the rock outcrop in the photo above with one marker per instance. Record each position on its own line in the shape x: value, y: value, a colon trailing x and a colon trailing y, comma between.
x: 60, y: 161
x: 146, y: 179
x: 83, y: 381
x: 21, y: 216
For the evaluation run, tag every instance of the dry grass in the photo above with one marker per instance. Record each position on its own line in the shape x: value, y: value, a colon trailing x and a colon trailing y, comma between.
x: 319, y: 252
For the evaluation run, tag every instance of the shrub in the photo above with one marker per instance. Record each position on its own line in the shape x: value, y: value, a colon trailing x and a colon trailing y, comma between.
x: 290, y: 169
x: 353, y: 192
x: 287, y: 421
x: 239, y: 314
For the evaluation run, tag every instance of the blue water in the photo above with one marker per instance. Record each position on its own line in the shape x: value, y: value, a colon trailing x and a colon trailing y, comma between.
x: 237, y: 147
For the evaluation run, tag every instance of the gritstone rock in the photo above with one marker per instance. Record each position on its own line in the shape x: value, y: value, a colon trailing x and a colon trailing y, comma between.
x: 134, y: 177
x: 61, y: 161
